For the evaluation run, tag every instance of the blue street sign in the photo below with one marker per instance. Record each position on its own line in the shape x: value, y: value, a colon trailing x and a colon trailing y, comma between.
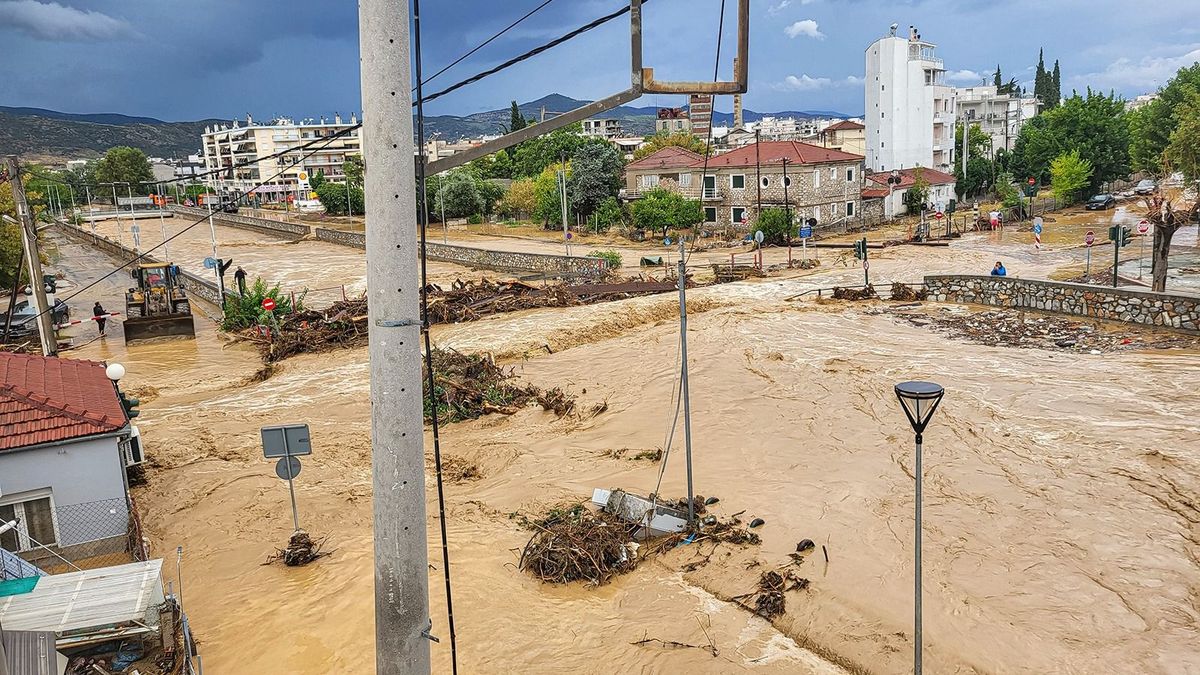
x: 805, y: 232
x: 667, y: 241
x: 1037, y: 228
x: 210, y: 263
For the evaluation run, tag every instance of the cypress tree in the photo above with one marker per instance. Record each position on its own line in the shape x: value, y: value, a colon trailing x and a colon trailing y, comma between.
x: 517, y: 119
x: 996, y: 79
x: 1055, y: 85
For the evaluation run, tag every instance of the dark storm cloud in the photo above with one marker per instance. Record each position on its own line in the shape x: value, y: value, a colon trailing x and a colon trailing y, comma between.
x: 53, y: 22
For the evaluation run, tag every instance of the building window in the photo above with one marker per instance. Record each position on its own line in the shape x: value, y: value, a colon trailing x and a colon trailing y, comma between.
x: 849, y: 208
x: 816, y: 179
x: 849, y: 175
x: 710, y: 214
x: 685, y: 180
x: 787, y: 181
x: 737, y: 181
x: 678, y: 125
x: 649, y: 181
x: 736, y: 214
x: 36, y: 516
x: 833, y: 173
x: 766, y: 181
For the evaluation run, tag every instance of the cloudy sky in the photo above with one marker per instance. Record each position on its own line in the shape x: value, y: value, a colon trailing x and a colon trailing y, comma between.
x: 191, y: 59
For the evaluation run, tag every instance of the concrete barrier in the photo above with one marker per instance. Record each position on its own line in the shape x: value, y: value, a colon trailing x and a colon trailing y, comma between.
x: 1098, y: 302
x: 504, y: 261
x: 264, y: 225
x: 194, y: 285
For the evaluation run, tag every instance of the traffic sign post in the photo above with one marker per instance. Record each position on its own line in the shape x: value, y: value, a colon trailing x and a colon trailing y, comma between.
x: 805, y: 235
x: 1143, y: 228
x: 1037, y: 232
x: 286, y: 442
x: 1089, y: 239
x: 268, y: 304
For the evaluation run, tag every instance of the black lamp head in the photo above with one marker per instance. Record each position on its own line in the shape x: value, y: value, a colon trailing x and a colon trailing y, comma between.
x: 919, y: 400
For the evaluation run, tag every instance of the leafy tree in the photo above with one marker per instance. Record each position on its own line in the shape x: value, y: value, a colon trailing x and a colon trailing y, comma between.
x: 1006, y: 192
x: 595, y: 176
x: 491, y: 192
x: 496, y: 165
x: 534, y: 155
x: 978, y: 178
x: 124, y: 164
x: 917, y: 195
x: 317, y: 179
x: 333, y: 197
x: 1041, y: 81
x: 520, y: 200
x: 1151, y: 126
x: 1055, y: 86
x: 1069, y: 173
x: 609, y: 213
x: 459, y: 195
x: 1094, y: 125
x: 997, y: 80
x: 354, y: 169
x: 775, y: 225
x: 10, y: 238
x: 662, y: 209
x: 1184, y: 147
x: 548, y: 196
x: 516, y: 119
x: 663, y: 139
x: 1010, y: 88
x: 979, y: 142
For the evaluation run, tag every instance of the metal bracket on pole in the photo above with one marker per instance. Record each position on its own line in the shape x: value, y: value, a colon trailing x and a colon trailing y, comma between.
x: 427, y: 634
x: 641, y: 81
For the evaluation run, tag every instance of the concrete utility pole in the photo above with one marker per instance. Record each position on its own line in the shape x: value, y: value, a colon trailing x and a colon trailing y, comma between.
x: 402, y: 619
x: 29, y: 239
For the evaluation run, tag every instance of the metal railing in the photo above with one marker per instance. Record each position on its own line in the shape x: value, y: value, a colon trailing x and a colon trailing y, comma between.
x: 80, y: 536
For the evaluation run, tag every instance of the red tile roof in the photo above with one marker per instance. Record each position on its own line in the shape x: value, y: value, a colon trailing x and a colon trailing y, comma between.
x: 43, y: 400
x: 670, y: 157
x: 772, y: 152
x: 844, y: 125
x: 907, y: 177
x: 874, y: 193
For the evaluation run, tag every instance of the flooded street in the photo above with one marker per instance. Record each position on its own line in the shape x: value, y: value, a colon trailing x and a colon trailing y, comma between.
x: 1061, y: 527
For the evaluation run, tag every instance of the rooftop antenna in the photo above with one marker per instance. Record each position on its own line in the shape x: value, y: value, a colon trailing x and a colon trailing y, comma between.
x: 894, y: 27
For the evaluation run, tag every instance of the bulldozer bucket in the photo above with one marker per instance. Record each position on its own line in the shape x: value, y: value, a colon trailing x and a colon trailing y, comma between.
x: 158, y: 326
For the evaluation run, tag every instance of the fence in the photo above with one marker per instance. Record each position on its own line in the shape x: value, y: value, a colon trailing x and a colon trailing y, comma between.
x: 270, y: 226
x: 64, y: 538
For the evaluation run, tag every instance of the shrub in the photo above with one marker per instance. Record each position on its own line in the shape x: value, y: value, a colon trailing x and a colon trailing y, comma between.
x: 611, y: 257
x: 244, y: 311
x: 775, y: 225
x: 474, y: 219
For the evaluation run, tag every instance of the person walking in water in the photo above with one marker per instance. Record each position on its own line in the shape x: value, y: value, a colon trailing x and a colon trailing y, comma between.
x: 240, y: 277
x: 998, y: 270
x: 100, y: 316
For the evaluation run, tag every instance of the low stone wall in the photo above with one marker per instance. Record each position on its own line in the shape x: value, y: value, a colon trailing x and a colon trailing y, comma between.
x: 1097, y: 302
x: 264, y: 225
x: 195, y: 286
x: 504, y: 261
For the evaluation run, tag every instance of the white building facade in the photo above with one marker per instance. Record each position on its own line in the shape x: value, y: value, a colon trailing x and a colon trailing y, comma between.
x: 1000, y: 116
x: 910, y: 111
x: 234, y: 146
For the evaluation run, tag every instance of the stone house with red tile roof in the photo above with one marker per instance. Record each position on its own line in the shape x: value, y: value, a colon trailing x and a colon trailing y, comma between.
x: 62, y: 465
x: 941, y: 189
x: 820, y: 183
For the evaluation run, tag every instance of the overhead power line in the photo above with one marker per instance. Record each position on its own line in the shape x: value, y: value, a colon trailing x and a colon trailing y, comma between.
x: 481, y: 45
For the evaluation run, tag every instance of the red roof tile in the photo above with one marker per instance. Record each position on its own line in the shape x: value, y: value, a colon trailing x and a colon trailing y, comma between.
x: 907, y: 177
x: 874, y: 193
x: 772, y: 152
x: 43, y: 400
x: 670, y: 157
x: 844, y: 125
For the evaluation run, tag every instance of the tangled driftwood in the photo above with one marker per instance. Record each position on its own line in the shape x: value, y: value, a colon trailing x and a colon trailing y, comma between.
x: 865, y: 293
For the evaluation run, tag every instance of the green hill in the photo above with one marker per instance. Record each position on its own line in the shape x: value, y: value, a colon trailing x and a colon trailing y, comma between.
x: 47, y: 135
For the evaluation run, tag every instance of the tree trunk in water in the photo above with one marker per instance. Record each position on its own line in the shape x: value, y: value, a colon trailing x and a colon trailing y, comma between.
x: 1159, y: 250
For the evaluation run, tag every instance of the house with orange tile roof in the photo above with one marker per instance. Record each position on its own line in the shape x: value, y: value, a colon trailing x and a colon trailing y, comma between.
x: 819, y: 183
x: 63, y: 438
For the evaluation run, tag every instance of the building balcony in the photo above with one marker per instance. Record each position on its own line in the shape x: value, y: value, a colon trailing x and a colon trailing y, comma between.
x: 710, y: 194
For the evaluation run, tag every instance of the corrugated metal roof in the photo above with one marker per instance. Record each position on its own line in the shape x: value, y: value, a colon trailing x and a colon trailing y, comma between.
x: 43, y: 400
x: 32, y: 653
x: 87, y: 599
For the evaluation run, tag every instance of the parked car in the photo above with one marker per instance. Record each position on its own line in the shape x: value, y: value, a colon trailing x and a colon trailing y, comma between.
x: 23, y: 323
x: 1101, y: 202
x: 1145, y: 187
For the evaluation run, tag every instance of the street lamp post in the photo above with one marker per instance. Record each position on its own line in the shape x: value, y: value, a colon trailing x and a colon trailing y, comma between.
x: 919, y: 401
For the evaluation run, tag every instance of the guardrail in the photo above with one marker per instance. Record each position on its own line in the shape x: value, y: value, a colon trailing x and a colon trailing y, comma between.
x: 264, y: 225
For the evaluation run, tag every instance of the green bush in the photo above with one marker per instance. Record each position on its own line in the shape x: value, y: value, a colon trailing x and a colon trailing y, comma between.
x: 609, y: 213
x: 775, y: 225
x: 611, y: 257
x: 474, y: 219
x: 244, y: 311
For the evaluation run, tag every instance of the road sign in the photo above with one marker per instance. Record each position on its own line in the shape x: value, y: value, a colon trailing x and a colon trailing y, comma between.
x: 1032, y: 181
x: 569, y: 235
x: 287, y: 468
x: 1037, y: 225
x: 866, y: 265
x: 666, y: 241
x: 268, y: 304
x: 1143, y: 227
x: 210, y: 263
x: 805, y: 232
x: 758, y: 236
x: 939, y: 215
x: 1089, y: 238
x: 285, y: 439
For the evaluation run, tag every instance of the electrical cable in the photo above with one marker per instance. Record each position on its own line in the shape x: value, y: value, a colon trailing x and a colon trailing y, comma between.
x: 481, y: 45
x: 422, y: 220
x: 529, y: 54
x: 219, y: 206
x: 712, y: 108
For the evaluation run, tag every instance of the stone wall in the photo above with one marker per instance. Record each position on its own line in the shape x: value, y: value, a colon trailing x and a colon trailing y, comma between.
x: 1098, y: 302
x: 196, y: 286
x: 353, y: 239
x: 264, y: 225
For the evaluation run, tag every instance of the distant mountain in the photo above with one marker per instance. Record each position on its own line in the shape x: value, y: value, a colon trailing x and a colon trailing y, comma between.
x: 49, y: 135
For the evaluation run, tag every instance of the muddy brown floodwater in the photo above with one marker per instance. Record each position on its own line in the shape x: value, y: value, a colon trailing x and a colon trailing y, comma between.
x: 1061, y: 526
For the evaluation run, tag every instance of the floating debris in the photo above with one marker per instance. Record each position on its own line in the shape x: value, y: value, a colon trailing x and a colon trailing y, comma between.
x: 865, y: 293
x: 468, y: 386
x: 906, y: 293
x: 301, y: 550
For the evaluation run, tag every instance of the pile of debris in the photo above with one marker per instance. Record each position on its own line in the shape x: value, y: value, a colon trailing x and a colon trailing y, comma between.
x: 301, y: 550
x: 580, y: 545
x: 906, y: 293
x: 769, y: 600
x: 865, y: 293
x: 467, y: 386
x: 342, y: 324
x: 723, y: 274
x: 1011, y: 328
x: 795, y: 264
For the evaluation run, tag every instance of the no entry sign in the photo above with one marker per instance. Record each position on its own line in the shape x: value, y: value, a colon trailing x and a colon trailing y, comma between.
x: 1089, y: 238
x: 268, y: 304
x: 1143, y: 227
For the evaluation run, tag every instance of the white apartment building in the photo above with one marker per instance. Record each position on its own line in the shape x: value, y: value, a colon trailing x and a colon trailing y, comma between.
x: 233, y: 145
x: 607, y: 129
x: 909, y: 108
x: 1000, y: 116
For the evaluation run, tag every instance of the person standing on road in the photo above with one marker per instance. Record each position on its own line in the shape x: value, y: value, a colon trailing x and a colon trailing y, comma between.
x: 100, y: 316
x: 240, y: 277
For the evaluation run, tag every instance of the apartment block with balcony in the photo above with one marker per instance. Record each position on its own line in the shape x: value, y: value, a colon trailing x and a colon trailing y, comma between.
x: 820, y: 183
x: 607, y: 129
x: 910, y: 111
x: 847, y: 136
x: 1000, y: 116
x: 241, y: 151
